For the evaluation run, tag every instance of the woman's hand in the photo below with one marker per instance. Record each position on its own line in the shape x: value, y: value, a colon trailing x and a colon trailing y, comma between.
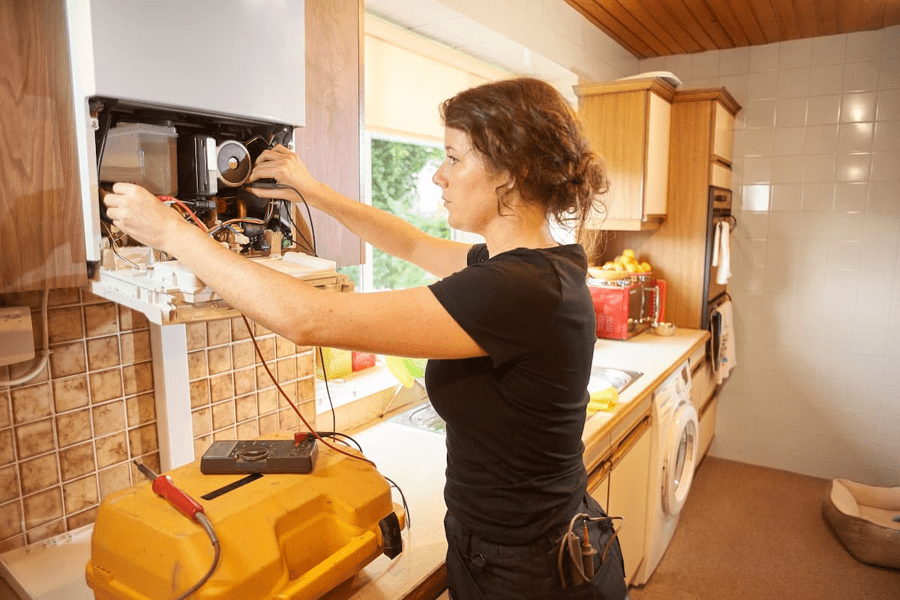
x: 286, y: 168
x: 141, y: 215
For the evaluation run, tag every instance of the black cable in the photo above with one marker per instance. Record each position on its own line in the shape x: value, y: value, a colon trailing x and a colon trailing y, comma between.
x: 328, y: 390
x: 403, y: 498
x: 307, y: 243
x: 207, y: 526
x: 336, y: 434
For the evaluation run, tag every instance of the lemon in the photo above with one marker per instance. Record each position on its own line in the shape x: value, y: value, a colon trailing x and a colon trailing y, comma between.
x: 628, y: 252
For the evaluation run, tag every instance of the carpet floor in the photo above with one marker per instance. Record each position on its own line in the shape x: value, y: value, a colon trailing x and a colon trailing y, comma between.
x: 749, y: 532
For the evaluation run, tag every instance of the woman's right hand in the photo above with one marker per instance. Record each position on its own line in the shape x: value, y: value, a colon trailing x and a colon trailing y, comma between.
x: 286, y: 168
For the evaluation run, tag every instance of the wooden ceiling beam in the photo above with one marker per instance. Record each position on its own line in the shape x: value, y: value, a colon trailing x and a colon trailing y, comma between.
x: 637, y: 8
x: 872, y: 16
x: 711, y: 23
x: 809, y: 19
x: 721, y: 11
x: 787, y: 17
x: 635, y: 26
x: 681, y: 14
x: 828, y: 16
x: 749, y: 24
x: 768, y: 22
x: 599, y: 17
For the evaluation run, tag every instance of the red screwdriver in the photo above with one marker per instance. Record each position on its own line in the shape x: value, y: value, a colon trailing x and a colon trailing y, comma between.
x: 163, y: 486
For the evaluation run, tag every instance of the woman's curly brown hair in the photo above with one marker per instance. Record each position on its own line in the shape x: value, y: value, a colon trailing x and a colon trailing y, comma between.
x: 525, y: 127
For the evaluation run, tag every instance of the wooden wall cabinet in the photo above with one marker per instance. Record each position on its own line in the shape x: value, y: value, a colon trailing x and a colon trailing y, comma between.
x: 701, y: 130
x: 331, y: 142
x: 621, y: 485
x: 627, y: 122
x: 42, y: 238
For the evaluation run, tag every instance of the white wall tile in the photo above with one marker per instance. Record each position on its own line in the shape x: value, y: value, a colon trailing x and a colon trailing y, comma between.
x: 704, y: 65
x: 885, y: 166
x: 756, y: 198
x: 890, y: 46
x: 889, y: 105
x: 821, y: 139
x: 788, y: 169
x: 794, y: 54
x: 735, y: 61
x: 853, y: 167
x: 786, y: 197
x: 851, y: 197
x: 757, y: 169
x: 789, y: 140
x: 821, y: 110
x: 760, y: 113
x: 761, y: 86
x: 790, y: 112
x: 828, y: 50
x: 861, y: 76
x: 884, y: 196
x: 763, y: 58
x: 819, y: 168
x: 889, y: 77
x: 826, y: 79
x: 759, y: 142
x: 856, y: 137
x: 793, y: 83
x: 818, y: 197
x: 848, y: 226
x: 864, y: 45
x: 860, y: 106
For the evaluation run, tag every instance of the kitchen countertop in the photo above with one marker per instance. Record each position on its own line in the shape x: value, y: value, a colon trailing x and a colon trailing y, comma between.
x: 416, y: 460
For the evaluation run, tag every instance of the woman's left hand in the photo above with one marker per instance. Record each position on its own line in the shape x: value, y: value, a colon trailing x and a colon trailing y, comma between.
x: 142, y: 216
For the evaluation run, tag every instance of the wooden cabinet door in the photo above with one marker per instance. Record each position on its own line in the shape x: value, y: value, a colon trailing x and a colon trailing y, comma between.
x: 330, y: 144
x: 42, y: 238
x: 628, y: 495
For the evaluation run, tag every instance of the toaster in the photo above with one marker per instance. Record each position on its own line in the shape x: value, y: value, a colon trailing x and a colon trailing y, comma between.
x: 626, y: 307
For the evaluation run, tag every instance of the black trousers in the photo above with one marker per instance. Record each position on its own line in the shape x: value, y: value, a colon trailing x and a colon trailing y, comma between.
x: 481, y: 570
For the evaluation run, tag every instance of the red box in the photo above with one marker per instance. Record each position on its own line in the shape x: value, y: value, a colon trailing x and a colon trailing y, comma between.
x: 362, y: 360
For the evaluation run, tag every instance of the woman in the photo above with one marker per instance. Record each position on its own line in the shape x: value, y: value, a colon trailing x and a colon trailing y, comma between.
x: 510, y: 327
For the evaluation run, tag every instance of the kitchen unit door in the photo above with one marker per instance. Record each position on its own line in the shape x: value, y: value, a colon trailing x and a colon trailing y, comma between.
x: 627, y: 122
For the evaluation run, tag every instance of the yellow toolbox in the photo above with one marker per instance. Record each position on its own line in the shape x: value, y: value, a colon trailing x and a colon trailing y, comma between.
x: 284, y: 537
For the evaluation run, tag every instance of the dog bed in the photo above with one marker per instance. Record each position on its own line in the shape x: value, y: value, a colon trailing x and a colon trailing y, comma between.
x: 865, y: 519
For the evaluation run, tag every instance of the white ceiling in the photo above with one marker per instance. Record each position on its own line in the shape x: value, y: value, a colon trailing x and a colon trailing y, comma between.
x: 434, y: 20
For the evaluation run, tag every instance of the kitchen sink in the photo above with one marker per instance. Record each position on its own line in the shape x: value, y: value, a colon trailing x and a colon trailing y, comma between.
x: 607, y: 377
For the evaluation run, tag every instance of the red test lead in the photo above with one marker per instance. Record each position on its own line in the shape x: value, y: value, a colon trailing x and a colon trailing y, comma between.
x: 163, y: 486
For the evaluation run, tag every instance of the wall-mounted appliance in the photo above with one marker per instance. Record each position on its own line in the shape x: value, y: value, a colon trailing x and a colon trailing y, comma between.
x: 182, y: 98
x: 718, y: 214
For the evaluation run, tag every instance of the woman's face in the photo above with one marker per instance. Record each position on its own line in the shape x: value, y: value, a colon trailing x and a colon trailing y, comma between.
x: 469, y: 190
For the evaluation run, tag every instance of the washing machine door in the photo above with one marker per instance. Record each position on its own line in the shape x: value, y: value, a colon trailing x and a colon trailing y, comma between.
x: 680, y: 458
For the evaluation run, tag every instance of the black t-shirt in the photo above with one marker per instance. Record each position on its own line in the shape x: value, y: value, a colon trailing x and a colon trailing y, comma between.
x: 515, y: 417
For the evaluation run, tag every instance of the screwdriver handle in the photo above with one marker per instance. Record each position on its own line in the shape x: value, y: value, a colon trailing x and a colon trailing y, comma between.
x: 164, y: 487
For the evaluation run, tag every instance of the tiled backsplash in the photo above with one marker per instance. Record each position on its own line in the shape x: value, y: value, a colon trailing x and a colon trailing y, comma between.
x: 816, y: 256
x: 68, y: 436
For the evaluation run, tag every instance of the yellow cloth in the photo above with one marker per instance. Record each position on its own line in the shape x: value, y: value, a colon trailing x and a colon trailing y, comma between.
x: 605, y: 400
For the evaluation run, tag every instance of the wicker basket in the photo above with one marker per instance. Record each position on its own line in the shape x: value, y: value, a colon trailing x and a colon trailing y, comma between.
x: 863, y: 517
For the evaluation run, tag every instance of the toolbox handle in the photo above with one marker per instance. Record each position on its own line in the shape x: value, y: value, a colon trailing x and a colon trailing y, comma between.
x: 326, y: 575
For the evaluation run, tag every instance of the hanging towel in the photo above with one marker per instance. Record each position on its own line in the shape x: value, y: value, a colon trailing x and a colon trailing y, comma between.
x: 723, y: 345
x: 721, y: 258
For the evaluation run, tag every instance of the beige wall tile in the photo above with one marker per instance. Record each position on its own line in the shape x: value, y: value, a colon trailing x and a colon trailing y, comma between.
x: 7, y: 452
x: 65, y: 324
x: 73, y: 427
x: 306, y: 389
x: 5, y: 412
x: 141, y: 409
x: 106, y: 385
x: 223, y: 415
x: 245, y: 407
x: 111, y: 450
x: 100, y: 319
x: 221, y: 387
x: 108, y: 418
x: 243, y: 354
x: 68, y: 359
x: 81, y: 494
x: 103, y: 353
x: 268, y: 423
x: 81, y: 519
x: 267, y: 401
x: 244, y: 381
x: 284, y: 347
x: 197, y: 366
x: 137, y: 378
x: 218, y: 332
x: 30, y: 403
x: 290, y: 389
x: 288, y: 419
x: 201, y: 422
x: 229, y: 433
x: 10, y: 520
x: 196, y: 335
x: 266, y: 348
x: 35, y: 438
x: 219, y: 359
x: 39, y: 473
x: 239, y: 329
x: 248, y: 430
x: 286, y: 369
x: 43, y: 507
x: 70, y: 393
x: 135, y: 347
x: 76, y: 461
x: 114, y: 479
x: 63, y: 297
x: 142, y: 440
x: 9, y: 485
x: 199, y: 393
x: 306, y: 364
x: 201, y: 444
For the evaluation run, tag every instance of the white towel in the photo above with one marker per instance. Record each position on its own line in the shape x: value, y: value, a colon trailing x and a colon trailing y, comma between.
x: 724, y: 355
x: 721, y: 257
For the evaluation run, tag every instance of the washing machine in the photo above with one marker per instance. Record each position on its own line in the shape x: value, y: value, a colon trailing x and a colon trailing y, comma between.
x: 673, y: 456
